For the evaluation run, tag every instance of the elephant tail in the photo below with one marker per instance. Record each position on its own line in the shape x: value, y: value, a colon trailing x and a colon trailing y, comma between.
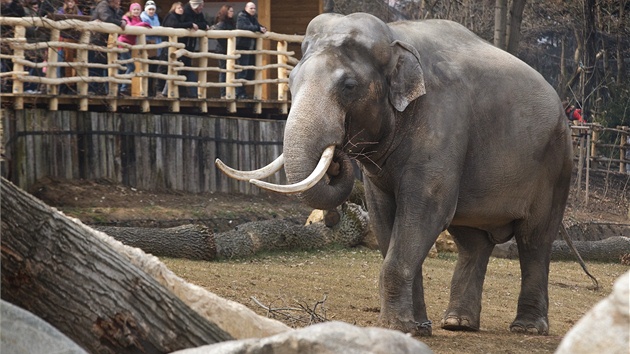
x: 567, y: 239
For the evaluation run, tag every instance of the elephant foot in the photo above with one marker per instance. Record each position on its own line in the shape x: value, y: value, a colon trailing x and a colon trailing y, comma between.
x: 538, y: 327
x: 414, y: 328
x: 453, y: 322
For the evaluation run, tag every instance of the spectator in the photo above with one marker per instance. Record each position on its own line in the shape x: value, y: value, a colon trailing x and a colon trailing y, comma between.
x: 33, y: 35
x: 32, y: 8
x: 49, y: 7
x: 105, y: 11
x: 193, y: 12
x: 247, y: 20
x: 133, y: 19
x: 573, y: 114
x: 68, y: 54
x: 174, y: 19
x: 224, y: 21
x: 8, y: 8
x: 149, y: 16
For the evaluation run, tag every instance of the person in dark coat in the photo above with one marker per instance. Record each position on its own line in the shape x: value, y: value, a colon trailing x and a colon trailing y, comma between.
x: 193, y: 12
x: 175, y: 19
x: 105, y: 11
x: 247, y: 20
x: 224, y: 21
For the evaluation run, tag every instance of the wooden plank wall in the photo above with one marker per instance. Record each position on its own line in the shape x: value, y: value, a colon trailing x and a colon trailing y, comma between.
x: 145, y: 151
x: 292, y: 17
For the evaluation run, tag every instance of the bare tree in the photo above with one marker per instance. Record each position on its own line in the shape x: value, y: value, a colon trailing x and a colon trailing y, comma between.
x: 588, y: 57
x: 500, y: 17
x: 514, y: 26
x: 621, y: 69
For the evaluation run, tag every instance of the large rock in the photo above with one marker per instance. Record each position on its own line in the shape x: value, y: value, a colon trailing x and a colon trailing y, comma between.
x: 328, y: 337
x: 605, y: 328
x: 21, y: 332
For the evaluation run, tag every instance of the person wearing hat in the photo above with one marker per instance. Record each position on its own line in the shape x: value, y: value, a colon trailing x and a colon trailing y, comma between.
x: 150, y: 17
x: 193, y: 12
x: 133, y: 19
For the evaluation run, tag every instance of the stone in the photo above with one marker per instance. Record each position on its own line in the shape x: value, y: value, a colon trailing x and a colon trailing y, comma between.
x: 605, y: 328
x: 23, y: 332
x: 327, y: 337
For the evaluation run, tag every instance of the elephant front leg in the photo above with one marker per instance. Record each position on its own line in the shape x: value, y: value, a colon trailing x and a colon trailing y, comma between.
x: 402, y: 299
x: 396, y: 283
x: 464, y: 308
x: 401, y: 286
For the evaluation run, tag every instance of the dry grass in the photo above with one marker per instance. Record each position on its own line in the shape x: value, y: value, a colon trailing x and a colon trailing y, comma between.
x: 349, y: 279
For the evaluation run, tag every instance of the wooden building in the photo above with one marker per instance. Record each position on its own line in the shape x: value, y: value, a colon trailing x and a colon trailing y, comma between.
x: 281, y: 16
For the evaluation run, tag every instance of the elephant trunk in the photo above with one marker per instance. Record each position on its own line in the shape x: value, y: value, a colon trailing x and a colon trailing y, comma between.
x: 306, y: 136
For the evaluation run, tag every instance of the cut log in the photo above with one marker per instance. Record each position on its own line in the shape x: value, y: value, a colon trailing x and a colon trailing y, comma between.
x: 55, y: 268
x: 197, y: 242
x: 607, y: 250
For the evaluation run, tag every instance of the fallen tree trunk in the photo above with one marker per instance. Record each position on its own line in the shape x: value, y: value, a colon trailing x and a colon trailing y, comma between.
x: 197, y: 242
x: 608, y: 250
x: 54, y: 268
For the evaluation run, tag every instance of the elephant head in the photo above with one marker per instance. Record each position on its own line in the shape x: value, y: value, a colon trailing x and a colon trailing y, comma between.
x: 348, y: 90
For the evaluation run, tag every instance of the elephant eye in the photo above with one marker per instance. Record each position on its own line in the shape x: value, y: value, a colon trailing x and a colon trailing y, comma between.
x: 350, y: 84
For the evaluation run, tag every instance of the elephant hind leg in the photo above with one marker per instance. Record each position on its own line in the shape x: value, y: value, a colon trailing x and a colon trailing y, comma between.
x: 464, y: 308
x: 533, y: 301
x: 534, y: 237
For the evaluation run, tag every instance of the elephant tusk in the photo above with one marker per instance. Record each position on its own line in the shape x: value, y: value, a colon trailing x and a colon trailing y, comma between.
x: 304, y: 185
x: 260, y: 173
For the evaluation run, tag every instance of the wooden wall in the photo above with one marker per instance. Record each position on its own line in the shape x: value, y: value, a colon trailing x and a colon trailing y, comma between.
x: 144, y: 151
x: 292, y: 17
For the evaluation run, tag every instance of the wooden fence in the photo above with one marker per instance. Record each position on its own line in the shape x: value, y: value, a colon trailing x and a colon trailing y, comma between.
x: 145, y: 151
x: 271, y: 68
x: 176, y: 151
x: 599, y: 148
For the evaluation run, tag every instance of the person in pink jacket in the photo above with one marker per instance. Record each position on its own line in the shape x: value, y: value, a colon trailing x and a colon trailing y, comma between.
x: 133, y: 19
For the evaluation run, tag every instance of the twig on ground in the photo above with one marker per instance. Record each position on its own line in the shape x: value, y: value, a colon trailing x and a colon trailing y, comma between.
x: 293, y: 315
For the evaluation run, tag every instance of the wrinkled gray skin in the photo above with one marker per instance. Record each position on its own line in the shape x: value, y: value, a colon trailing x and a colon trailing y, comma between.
x: 451, y: 132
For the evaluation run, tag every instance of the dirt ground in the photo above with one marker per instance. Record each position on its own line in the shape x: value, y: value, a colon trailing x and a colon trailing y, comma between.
x: 342, y: 284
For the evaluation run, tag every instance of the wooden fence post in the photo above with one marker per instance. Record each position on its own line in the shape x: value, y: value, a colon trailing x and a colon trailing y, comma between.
x: 18, y: 85
x: 282, y: 75
x: 594, y: 140
x: 623, y: 149
x: 83, y: 71
x: 51, y: 71
x: 112, y: 71
x: 588, y: 166
x: 230, y: 91
x: 172, y: 89
x: 202, y: 76
x: 258, y: 88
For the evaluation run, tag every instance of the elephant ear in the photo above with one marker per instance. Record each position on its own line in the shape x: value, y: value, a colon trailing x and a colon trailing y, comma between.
x: 407, y: 78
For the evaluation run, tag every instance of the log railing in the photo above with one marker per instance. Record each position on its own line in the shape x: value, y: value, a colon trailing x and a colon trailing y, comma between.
x: 271, y: 67
x: 606, y: 148
x: 600, y: 148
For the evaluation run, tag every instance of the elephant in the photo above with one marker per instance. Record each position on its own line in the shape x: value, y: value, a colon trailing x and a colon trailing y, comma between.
x: 451, y: 133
